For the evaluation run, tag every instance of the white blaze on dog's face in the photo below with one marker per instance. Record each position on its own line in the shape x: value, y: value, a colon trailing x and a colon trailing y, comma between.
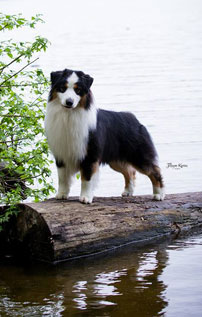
x: 69, y: 98
x: 69, y: 87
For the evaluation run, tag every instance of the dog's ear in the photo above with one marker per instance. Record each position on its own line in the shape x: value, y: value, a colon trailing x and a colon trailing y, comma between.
x: 55, y: 76
x: 66, y: 72
x: 88, y: 80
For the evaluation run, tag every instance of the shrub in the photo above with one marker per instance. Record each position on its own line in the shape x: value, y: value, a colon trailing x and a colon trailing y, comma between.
x: 24, y: 161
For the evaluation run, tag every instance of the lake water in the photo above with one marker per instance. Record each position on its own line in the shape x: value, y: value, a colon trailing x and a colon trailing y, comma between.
x: 145, y: 57
x: 165, y: 280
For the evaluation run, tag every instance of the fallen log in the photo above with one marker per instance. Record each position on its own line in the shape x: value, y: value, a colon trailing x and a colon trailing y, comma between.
x: 55, y: 230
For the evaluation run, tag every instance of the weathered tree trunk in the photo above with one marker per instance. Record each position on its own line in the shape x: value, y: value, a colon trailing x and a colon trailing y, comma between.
x: 59, y: 230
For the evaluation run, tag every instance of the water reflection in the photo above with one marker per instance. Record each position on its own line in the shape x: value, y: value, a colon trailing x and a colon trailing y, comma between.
x: 152, y: 282
x: 79, y: 290
x: 125, y: 282
x: 24, y: 293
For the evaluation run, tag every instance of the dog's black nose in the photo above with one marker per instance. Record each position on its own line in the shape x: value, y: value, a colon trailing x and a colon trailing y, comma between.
x: 69, y: 102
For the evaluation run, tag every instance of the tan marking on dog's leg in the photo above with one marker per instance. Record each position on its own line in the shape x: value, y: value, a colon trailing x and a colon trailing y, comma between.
x: 154, y: 174
x: 157, y: 182
x: 129, y: 174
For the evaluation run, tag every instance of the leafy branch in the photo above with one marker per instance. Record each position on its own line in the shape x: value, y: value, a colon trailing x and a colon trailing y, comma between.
x: 24, y: 156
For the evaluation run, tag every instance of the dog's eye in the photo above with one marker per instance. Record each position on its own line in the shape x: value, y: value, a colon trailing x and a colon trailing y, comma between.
x: 77, y: 91
x: 62, y: 89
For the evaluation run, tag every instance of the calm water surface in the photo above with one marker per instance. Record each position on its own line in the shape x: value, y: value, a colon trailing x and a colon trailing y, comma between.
x: 165, y: 280
x: 146, y: 57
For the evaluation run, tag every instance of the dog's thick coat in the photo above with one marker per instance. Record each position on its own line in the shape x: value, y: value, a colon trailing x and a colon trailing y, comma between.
x: 82, y: 137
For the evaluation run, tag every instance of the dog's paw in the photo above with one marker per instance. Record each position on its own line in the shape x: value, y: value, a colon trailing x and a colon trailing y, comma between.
x: 61, y: 196
x: 160, y: 195
x: 127, y: 193
x: 86, y: 199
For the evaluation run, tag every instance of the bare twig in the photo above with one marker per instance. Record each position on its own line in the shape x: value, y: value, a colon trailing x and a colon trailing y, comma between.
x: 14, y: 116
x: 13, y: 61
x: 38, y: 98
x: 15, y: 140
x: 19, y: 116
x: 5, y: 26
x: 18, y: 72
x: 23, y: 85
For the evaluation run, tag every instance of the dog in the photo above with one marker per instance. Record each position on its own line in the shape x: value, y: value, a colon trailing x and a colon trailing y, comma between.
x: 82, y: 138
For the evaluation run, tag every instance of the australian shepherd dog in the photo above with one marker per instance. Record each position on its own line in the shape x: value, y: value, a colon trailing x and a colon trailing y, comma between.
x: 81, y: 137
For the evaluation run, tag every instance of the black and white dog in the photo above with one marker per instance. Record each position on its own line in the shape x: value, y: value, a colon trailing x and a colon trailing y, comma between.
x: 82, y: 137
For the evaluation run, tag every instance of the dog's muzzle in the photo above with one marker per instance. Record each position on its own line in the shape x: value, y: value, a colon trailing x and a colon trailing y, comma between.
x: 69, y: 103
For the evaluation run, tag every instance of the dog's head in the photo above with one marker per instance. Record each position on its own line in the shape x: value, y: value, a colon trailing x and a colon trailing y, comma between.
x: 70, y: 87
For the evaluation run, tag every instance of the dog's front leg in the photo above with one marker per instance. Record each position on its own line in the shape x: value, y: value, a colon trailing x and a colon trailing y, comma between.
x: 64, y: 182
x: 89, y: 179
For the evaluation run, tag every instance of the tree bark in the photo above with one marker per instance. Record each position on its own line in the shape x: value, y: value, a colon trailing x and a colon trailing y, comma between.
x: 55, y: 230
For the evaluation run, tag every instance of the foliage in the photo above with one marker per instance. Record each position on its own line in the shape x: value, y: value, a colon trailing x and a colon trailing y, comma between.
x: 24, y: 161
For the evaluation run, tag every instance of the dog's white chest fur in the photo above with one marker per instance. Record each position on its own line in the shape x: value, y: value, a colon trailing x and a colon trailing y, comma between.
x: 67, y: 131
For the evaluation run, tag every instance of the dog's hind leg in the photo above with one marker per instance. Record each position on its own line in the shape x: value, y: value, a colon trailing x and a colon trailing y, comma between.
x: 129, y: 174
x: 157, y: 183
x: 89, y: 179
x: 154, y: 174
